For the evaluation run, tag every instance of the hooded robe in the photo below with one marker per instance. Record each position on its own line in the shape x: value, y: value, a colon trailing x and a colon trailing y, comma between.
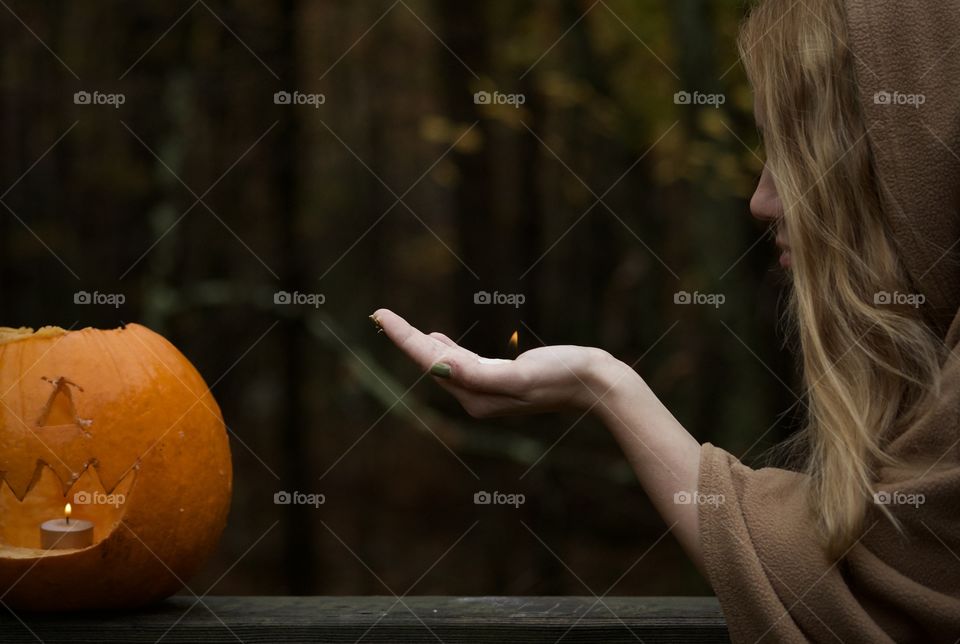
x: 761, y: 548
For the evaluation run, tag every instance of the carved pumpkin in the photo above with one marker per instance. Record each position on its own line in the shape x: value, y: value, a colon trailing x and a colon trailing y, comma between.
x: 100, y: 417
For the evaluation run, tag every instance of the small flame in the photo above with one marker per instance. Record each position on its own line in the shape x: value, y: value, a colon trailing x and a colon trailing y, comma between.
x: 515, y: 340
x: 67, y: 511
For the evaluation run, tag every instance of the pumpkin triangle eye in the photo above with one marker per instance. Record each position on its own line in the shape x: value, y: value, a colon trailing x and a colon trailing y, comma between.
x: 59, y: 408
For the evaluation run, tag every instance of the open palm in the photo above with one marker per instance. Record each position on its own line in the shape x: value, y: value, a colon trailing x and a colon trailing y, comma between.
x: 540, y: 380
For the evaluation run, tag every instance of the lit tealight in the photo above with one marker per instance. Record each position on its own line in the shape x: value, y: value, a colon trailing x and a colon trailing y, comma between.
x: 64, y: 534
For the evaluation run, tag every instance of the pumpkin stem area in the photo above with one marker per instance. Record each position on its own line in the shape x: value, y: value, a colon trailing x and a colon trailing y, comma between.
x: 10, y: 334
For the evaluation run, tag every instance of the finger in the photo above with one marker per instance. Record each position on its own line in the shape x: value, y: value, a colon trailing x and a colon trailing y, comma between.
x: 463, y: 368
x: 473, y: 373
x: 436, y: 335
x: 422, y: 349
x: 450, y: 343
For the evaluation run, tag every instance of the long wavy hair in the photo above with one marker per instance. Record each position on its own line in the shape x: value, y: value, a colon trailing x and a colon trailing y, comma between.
x: 867, y: 365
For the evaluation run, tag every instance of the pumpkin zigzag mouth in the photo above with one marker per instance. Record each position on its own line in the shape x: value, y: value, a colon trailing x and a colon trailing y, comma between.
x: 46, y: 498
x: 94, y: 481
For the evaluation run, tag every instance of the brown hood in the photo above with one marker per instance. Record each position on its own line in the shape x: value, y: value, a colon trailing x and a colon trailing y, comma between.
x: 760, y: 544
x: 907, y: 55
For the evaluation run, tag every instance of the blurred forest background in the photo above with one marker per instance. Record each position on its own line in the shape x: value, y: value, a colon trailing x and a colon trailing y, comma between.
x: 200, y: 198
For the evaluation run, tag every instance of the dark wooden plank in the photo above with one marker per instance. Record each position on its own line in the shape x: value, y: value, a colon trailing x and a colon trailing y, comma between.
x: 385, y: 619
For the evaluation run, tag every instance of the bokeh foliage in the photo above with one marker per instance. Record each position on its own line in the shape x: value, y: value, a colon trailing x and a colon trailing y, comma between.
x: 501, y: 199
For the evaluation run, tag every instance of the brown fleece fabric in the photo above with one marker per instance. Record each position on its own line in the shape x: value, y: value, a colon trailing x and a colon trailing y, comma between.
x: 759, y: 541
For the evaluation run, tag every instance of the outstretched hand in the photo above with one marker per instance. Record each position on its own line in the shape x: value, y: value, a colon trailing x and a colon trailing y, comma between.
x: 544, y: 379
x: 662, y: 453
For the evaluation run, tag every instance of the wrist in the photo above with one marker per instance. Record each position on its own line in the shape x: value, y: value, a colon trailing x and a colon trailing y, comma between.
x: 608, y: 382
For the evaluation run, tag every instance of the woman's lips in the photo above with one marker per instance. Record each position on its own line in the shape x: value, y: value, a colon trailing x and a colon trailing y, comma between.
x: 784, y: 252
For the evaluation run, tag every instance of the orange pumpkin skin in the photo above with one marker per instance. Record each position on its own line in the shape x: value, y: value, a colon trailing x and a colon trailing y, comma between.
x: 117, y: 411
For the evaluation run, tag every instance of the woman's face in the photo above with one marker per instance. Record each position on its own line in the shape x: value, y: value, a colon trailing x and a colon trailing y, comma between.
x: 765, y: 204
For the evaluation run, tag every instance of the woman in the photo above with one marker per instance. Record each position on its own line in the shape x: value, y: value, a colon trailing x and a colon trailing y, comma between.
x: 859, y: 105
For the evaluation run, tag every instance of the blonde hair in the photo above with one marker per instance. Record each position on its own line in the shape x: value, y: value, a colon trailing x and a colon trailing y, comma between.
x: 866, y: 366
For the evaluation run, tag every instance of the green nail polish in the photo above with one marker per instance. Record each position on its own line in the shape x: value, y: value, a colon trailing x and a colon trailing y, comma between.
x: 376, y: 322
x: 441, y: 370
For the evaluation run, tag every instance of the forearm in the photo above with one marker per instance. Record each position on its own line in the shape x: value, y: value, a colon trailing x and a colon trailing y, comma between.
x: 664, y: 456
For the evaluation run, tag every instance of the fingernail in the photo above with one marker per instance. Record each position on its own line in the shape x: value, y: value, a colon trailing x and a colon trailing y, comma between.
x: 441, y: 370
x: 376, y: 322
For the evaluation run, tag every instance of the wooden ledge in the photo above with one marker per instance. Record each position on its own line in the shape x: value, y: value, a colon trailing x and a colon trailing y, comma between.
x: 384, y: 619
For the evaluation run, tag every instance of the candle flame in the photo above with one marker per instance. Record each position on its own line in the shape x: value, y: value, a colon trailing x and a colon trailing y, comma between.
x: 515, y: 340
x: 67, y: 510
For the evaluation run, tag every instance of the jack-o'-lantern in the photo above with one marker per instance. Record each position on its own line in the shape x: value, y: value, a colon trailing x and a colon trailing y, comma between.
x: 120, y: 425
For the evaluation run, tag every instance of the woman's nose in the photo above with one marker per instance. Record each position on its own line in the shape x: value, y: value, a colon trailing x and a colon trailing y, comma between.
x: 765, y: 204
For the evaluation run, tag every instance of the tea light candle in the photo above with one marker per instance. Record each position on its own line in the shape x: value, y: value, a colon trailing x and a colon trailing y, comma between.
x: 64, y: 534
x: 513, y: 342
